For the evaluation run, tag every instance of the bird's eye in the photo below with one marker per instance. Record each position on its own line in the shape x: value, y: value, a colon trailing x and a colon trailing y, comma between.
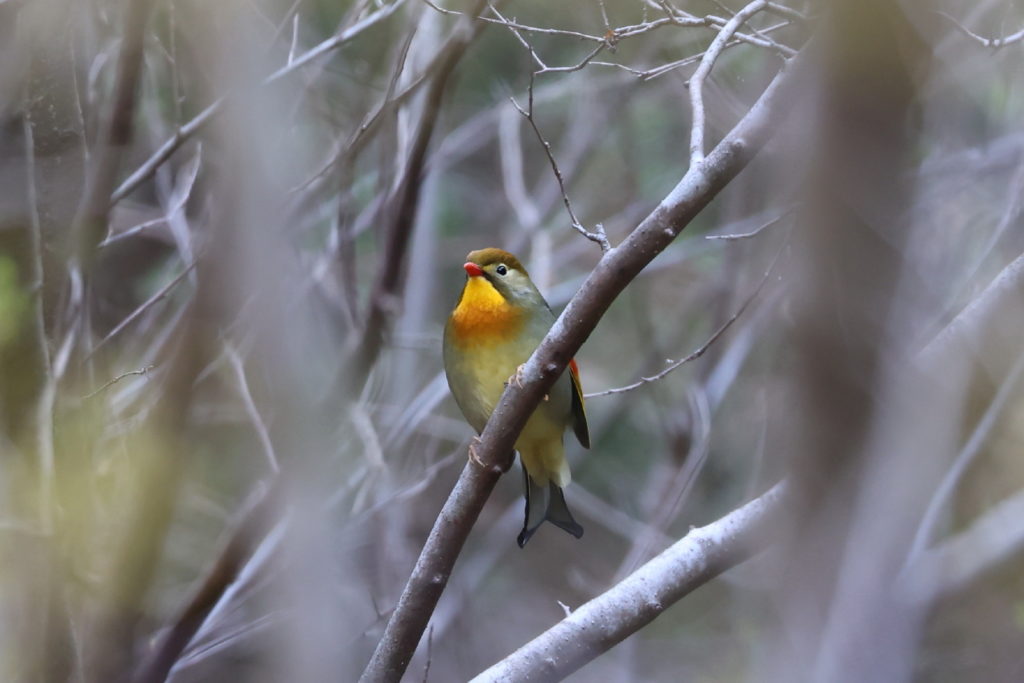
x: 501, y: 269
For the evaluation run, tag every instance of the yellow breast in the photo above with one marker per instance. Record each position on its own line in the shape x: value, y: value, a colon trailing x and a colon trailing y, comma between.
x: 484, y: 316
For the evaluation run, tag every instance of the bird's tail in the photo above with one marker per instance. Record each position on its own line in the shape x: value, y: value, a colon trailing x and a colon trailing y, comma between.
x: 545, y: 503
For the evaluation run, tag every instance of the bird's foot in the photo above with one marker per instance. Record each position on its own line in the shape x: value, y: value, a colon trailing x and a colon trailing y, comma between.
x: 517, y: 377
x: 472, y: 452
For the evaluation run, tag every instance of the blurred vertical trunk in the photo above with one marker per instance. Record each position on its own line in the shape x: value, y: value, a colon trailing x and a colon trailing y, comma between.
x: 37, y: 86
x: 853, y: 370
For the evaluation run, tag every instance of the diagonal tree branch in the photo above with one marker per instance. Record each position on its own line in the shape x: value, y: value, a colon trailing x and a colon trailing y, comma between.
x: 613, y: 273
x: 598, y: 625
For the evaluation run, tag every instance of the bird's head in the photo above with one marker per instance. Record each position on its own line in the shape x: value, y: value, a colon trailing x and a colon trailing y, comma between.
x: 498, y: 299
x: 503, y: 272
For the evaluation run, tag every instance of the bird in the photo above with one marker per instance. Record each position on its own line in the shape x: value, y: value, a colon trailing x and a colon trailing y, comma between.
x: 499, y: 320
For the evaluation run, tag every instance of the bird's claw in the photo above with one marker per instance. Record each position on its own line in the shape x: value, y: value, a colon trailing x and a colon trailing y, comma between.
x: 472, y: 452
x: 517, y: 377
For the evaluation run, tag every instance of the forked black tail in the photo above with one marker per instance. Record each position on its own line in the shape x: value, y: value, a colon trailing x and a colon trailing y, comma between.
x: 545, y: 503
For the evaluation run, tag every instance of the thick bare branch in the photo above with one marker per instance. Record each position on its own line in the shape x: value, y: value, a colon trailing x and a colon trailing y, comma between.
x: 598, y: 625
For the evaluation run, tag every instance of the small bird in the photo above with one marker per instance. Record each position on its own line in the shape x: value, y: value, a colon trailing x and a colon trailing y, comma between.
x: 500, y: 319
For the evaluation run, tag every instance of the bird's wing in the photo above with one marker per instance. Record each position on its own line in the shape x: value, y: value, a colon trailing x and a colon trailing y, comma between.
x: 579, y: 412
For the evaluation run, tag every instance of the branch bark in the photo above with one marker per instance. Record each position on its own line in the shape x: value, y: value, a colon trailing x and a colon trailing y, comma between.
x: 608, y: 619
x: 613, y: 273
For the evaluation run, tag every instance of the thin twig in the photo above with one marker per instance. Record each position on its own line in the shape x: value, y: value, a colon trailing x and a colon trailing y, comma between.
x: 250, y: 406
x: 611, y: 36
x: 131, y: 373
x: 598, y: 235
x: 702, y: 349
x: 163, y: 292
x: 655, y: 72
x: 994, y: 43
x: 190, y: 174
x: 430, y: 648
x: 755, y: 232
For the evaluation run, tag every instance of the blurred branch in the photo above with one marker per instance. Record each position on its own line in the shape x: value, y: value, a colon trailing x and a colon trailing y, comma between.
x: 171, y: 145
x: 987, y: 42
x: 598, y: 625
x: 617, y: 268
x: 787, y: 12
x: 990, y: 321
x: 144, y: 306
x: 353, y: 144
x: 179, y: 199
x: 957, y: 563
x: 391, y: 267
x: 225, y: 570
x: 90, y: 222
x: 250, y: 406
x: 970, y: 451
x: 51, y: 603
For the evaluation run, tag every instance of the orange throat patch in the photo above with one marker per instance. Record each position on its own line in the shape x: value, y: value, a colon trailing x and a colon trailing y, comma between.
x: 484, y: 316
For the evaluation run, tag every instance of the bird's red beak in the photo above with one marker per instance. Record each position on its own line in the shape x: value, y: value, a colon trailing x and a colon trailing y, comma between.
x: 472, y: 269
